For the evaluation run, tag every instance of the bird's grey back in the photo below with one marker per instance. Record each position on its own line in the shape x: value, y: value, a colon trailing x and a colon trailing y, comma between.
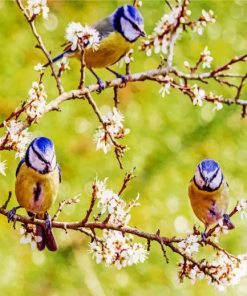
x: 104, y: 27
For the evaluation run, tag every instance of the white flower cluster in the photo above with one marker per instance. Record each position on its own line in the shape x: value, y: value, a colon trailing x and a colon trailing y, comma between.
x: 36, y: 7
x: 171, y: 25
x: 3, y: 167
x: 127, y: 59
x: 219, y: 230
x: 217, y: 100
x: 16, y: 136
x: 82, y: 37
x: 206, y: 58
x: 36, y: 100
x: 242, y: 208
x: 28, y: 237
x: 189, y: 245
x: 113, y: 204
x: 165, y: 88
x: 198, y: 95
x: 63, y: 65
x: 163, y: 33
x: 225, y: 270
x: 118, y: 250
x: 199, y: 25
x: 115, y: 248
x: 112, y: 125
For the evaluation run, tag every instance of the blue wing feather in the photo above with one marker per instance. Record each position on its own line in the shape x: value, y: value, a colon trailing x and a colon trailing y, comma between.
x: 19, y: 166
x: 60, y: 172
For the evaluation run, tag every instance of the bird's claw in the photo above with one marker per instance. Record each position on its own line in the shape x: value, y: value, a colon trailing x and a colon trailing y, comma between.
x: 122, y: 77
x: 227, y: 221
x: 101, y: 84
x: 204, y: 236
x: 47, y: 222
x: 11, y: 215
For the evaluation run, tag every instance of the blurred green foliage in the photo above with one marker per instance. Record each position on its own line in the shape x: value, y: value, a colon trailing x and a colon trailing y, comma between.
x: 168, y: 138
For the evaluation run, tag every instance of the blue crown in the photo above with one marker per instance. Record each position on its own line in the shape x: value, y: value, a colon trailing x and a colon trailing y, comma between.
x: 43, y: 144
x: 209, y: 165
x: 133, y: 14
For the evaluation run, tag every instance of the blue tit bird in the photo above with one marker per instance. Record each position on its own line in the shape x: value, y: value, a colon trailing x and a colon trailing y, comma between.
x: 37, y: 181
x: 117, y: 33
x: 208, y: 193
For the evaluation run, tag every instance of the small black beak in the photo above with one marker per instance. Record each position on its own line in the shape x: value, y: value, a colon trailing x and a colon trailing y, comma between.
x: 207, y: 181
x: 143, y: 33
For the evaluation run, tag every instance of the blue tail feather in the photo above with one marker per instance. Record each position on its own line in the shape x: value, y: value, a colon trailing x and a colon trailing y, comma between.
x: 59, y: 57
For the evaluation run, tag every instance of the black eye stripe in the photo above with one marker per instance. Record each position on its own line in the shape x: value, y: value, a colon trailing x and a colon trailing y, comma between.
x: 200, y: 172
x: 214, y: 175
x: 134, y: 25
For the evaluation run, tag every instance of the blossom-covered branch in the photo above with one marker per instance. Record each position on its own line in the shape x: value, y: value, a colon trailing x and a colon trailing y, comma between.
x: 109, y: 212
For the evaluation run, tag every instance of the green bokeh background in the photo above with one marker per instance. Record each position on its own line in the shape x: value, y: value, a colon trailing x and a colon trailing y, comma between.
x: 168, y: 138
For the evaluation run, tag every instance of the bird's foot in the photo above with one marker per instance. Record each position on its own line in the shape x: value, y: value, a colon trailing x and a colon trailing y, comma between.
x: 12, y: 214
x: 122, y: 77
x: 204, y: 236
x: 227, y: 221
x: 101, y: 84
x: 47, y: 222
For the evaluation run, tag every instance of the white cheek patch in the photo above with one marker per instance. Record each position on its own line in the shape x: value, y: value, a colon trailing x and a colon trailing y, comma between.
x: 216, y: 182
x: 129, y: 32
x: 198, y: 179
x: 35, y: 162
x: 53, y: 162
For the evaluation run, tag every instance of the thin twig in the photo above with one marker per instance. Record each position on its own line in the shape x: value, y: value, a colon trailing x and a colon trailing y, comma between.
x: 63, y: 203
x: 82, y: 70
x: 41, y: 45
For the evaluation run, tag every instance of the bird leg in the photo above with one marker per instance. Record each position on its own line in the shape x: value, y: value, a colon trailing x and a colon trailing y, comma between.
x: 118, y: 75
x: 11, y: 214
x: 227, y: 221
x: 100, y: 82
x: 204, y: 233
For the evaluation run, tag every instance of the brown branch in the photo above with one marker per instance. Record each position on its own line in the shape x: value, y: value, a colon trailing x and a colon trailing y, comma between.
x: 128, y: 177
x: 118, y: 148
x: 89, y: 211
x: 82, y: 70
x: 41, y: 46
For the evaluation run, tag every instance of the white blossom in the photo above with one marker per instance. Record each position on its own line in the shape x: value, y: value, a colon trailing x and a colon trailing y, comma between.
x: 186, y: 64
x: 63, y: 64
x: 189, y: 245
x: 39, y: 67
x: 3, y: 167
x: 118, y: 250
x: 37, y: 100
x: 112, y: 126
x: 113, y: 204
x: 127, y: 59
x: 36, y: 7
x: 218, y: 106
x: 208, y: 15
x: 206, y: 58
x: 29, y: 237
x: 82, y: 37
x: 18, y: 138
x: 165, y: 88
x: 242, y: 208
x: 199, y: 95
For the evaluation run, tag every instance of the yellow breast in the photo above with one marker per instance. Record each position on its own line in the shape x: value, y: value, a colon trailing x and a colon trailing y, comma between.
x: 34, y: 191
x: 209, y: 207
x: 111, y: 49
